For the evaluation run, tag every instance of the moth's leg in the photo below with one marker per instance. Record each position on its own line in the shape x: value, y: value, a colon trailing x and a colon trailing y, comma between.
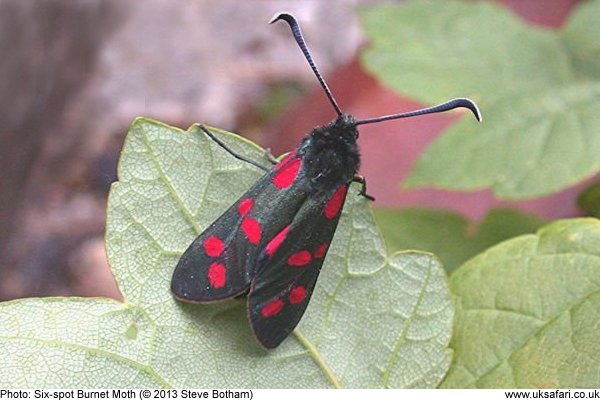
x: 230, y: 150
x: 363, y: 190
x: 270, y: 157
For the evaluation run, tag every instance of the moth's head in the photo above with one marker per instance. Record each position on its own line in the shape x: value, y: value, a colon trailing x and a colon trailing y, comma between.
x: 340, y: 130
x: 345, y: 124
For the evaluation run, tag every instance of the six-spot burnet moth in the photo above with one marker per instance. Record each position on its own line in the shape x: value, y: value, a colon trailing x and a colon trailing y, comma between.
x: 270, y: 245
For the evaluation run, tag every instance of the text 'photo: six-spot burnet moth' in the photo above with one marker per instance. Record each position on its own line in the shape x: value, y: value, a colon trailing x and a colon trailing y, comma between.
x: 270, y: 245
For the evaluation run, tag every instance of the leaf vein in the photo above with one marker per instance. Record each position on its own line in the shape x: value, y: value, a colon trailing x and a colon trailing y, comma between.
x: 169, y: 185
x: 96, y: 351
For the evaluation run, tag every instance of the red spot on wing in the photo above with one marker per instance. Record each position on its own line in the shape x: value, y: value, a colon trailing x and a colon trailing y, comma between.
x: 217, y: 275
x: 252, y: 230
x: 320, y: 251
x: 213, y: 246
x: 334, y: 205
x: 245, y: 206
x: 274, y: 244
x: 299, y: 258
x: 286, y: 174
x: 297, y: 294
x: 272, y: 308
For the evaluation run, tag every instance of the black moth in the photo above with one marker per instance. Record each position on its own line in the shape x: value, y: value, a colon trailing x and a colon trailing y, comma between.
x: 270, y: 245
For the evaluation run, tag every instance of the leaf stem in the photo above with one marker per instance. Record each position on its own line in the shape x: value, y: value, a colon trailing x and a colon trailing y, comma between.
x: 314, y: 353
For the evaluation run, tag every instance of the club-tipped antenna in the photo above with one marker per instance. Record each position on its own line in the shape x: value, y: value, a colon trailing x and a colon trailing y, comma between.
x: 291, y: 20
x: 449, y: 105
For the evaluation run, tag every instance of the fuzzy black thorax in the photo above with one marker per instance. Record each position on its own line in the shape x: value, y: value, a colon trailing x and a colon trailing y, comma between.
x: 330, y: 153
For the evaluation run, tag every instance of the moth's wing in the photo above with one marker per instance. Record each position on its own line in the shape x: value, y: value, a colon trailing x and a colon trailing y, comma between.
x: 289, y: 266
x: 212, y: 268
x: 220, y: 263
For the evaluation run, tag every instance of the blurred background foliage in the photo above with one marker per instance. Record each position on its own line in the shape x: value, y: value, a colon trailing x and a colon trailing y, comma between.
x: 77, y: 73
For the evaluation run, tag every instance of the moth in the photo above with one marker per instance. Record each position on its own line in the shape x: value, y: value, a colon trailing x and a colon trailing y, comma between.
x: 271, y: 243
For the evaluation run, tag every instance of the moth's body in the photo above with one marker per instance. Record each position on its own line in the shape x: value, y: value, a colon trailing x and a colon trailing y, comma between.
x: 300, y: 199
x: 272, y: 242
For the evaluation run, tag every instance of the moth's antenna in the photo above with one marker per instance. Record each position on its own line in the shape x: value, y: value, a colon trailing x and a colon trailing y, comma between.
x: 291, y: 20
x: 449, y: 105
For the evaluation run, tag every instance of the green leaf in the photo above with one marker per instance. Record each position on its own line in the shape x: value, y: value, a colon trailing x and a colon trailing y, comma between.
x: 374, y: 320
x: 449, y: 235
x: 541, y: 131
x: 532, y: 143
x: 432, y: 50
x: 172, y: 185
x: 75, y: 342
x: 589, y: 200
x: 579, y: 36
x: 527, y: 311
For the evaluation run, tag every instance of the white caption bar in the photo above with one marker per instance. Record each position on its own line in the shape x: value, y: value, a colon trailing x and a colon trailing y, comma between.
x: 279, y: 394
